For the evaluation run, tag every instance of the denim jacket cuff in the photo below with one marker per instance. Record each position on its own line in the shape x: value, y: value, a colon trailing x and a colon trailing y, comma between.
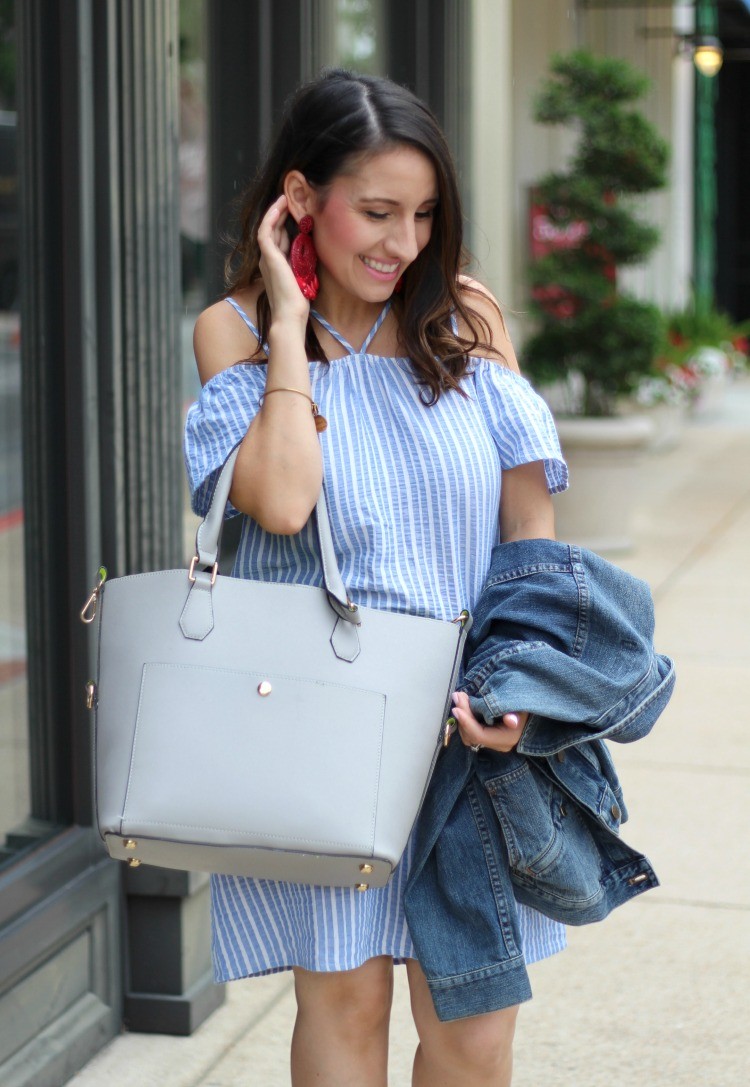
x: 481, y: 709
x: 485, y: 990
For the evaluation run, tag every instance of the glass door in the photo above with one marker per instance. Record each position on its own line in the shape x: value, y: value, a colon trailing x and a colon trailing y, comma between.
x: 14, y: 735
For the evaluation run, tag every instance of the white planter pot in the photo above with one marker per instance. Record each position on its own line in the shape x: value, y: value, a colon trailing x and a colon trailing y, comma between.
x: 668, y: 421
x: 605, y: 458
x: 711, y: 395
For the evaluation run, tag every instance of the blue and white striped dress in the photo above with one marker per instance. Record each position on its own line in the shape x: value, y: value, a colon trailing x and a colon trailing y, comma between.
x: 414, y: 495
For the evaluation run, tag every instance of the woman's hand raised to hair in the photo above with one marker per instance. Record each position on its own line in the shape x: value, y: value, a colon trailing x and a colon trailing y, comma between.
x: 286, y: 300
x: 499, y: 737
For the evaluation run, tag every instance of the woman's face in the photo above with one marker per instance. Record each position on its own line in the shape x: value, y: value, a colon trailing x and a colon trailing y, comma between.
x: 373, y: 221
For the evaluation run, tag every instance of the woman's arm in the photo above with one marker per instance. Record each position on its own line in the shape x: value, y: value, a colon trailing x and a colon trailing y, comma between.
x: 526, y: 510
x: 526, y: 513
x: 278, y: 473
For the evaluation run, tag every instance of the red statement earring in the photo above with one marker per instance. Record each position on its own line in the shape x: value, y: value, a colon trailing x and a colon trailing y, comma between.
x: 304, y: 259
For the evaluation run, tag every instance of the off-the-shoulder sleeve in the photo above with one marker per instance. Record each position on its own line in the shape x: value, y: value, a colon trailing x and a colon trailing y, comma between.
x: 215, y: 423
x: 520, y: 421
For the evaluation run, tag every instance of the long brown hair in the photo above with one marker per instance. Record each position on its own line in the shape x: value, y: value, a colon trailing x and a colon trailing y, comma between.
x: 327, y: 124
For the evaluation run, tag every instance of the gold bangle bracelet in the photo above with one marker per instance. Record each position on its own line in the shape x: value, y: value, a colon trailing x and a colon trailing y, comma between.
x: 320, y: 422
x: 281, y: 389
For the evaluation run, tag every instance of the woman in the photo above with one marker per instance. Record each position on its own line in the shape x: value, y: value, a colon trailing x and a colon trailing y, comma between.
x: 426, y: 416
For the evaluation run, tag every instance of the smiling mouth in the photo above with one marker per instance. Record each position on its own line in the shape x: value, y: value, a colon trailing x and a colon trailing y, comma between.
x: 379, y: 266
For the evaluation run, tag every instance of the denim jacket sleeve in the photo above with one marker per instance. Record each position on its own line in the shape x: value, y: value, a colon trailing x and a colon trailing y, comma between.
x: 564, y: 634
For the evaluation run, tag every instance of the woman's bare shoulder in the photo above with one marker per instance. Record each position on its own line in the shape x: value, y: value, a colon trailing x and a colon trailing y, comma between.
x: 221, y: 338
x: 478, y: 298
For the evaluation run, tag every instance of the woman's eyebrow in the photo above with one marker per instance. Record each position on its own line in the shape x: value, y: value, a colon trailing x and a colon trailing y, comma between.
x: 393, y: 203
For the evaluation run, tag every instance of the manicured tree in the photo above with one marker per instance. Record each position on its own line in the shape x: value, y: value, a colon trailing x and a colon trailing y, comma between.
x: 585, y: 323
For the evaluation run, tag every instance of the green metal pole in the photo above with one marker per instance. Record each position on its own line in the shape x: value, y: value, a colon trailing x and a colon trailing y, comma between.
x: 706, y: 88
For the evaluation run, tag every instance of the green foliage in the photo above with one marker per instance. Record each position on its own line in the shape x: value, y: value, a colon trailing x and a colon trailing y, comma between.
x: 701, y: 327
x: 579, y: 80
x: 689, y: 332
x: 605, y: 335
x: 611, y: 343
x: 622, y: 151
x: 574, y: 197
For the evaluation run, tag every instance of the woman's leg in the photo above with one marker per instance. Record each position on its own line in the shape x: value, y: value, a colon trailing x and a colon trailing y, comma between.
x: 341, y: 1034
x: 473, y: 1052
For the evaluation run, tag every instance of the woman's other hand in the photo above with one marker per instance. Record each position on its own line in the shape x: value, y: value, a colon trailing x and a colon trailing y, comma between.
x: 284, y: 296
x: 499, y: 737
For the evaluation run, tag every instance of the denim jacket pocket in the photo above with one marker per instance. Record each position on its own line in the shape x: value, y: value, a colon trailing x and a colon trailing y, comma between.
x: 552, y: 854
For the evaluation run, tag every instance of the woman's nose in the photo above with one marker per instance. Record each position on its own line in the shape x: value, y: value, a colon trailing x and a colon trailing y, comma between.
x: 403, y: 241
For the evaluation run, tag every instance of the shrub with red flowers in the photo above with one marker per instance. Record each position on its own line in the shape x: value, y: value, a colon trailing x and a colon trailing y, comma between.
x: 700, y: 344
x: 590, y: 333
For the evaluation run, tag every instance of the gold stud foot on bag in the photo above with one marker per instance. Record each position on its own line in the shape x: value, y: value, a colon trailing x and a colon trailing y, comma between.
x: 362, y: 886
x: 365, y: 869
x: 130, y: 844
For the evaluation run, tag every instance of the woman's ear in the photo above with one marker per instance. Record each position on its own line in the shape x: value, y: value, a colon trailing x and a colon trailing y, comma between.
x: 300, y: 195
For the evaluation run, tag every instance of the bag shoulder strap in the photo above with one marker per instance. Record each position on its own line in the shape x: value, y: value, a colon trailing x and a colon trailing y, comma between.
x: 209, y: 534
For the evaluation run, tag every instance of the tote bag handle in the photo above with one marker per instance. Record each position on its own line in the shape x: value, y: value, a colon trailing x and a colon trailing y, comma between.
x: 209, y: 534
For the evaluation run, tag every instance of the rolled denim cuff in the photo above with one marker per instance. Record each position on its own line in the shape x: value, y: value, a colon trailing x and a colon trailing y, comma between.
x: 486, y: 990
x: 481, y: 710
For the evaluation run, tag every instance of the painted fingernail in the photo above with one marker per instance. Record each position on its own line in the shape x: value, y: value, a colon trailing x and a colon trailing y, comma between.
x: 511, y: 720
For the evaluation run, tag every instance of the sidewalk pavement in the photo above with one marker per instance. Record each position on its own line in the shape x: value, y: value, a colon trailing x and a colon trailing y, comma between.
x: 658, y: 993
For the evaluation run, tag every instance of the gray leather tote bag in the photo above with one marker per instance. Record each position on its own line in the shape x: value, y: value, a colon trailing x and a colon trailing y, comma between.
x: 263, y: 729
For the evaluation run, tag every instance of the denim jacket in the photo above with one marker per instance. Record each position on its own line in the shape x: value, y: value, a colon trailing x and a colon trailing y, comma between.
x: 568, y: 636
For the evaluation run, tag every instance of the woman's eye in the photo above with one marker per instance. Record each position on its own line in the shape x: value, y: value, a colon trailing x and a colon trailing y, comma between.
x: 422, y: 215
x: 377, y: 215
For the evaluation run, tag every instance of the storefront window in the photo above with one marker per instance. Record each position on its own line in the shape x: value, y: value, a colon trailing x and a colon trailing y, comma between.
x: 193, y: 152
x: 358, y: 35
x: 193, y: 204
x: 14, y: 738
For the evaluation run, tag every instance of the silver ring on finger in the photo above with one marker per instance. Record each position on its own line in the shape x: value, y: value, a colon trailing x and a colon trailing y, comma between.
x: 476, y: 747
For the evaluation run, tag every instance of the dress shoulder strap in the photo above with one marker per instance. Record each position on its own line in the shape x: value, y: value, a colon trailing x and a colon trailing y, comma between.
x: 236, y: 306
x: 330, y: 329
x: 374, y: 330
x: 345, y: 343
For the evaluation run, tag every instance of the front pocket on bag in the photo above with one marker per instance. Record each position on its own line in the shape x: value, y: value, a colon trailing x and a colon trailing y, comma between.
x: 263, y: 759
